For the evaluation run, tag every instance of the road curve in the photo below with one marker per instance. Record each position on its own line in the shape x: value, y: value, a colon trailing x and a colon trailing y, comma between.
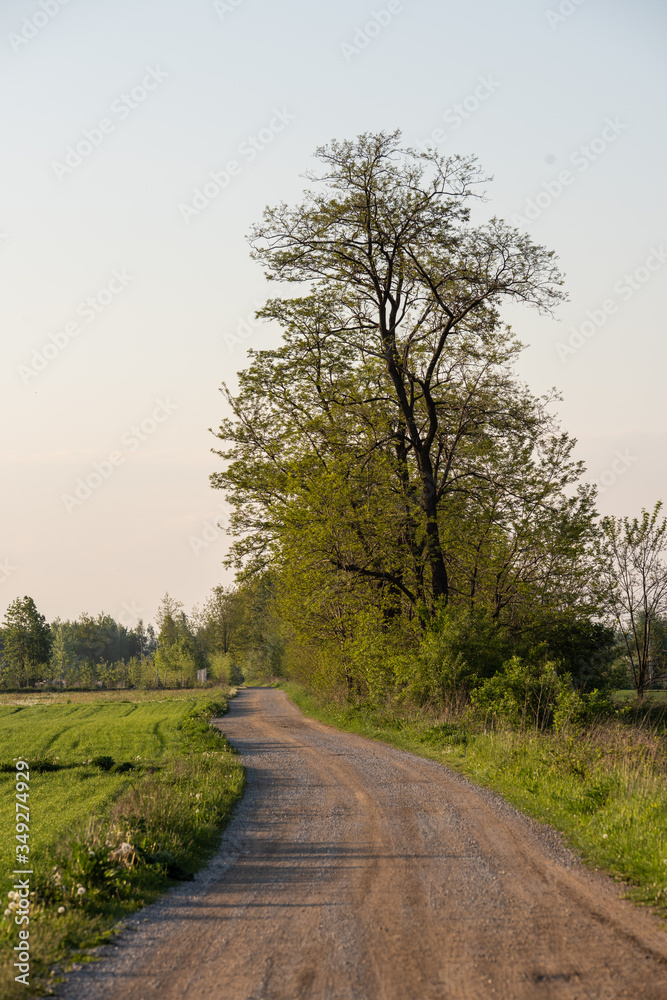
x: 355, y: 871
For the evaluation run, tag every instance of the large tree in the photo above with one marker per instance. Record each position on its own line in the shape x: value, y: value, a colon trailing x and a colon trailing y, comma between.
x: 388, y: 438
x: 388, y: 245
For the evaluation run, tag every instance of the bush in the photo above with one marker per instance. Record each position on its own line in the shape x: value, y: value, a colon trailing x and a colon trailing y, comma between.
x: 104, y: 762
x: 524, y: 693
x: 584, y: 649
x: 460, y: 648
x: 122, y: 768
x: 196, y: 730
x: 224, y: 669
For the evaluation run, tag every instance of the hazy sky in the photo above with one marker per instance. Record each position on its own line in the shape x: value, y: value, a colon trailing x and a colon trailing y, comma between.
x: 124, y: 290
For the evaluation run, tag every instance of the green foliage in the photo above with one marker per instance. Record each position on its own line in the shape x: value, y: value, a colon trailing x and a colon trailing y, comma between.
x: 407, y: 508
x: 258, y: 644
x: 222, y: 617
x: 98, y: 651
x: 103, y: 761
x: 458, y: 648
x: 632, y: 586
x: 179, y: 654
x: 585, y: 649
x: 27, y: 642
x: 196, y: 730
x: 527, y: 694
x: 224, y: 669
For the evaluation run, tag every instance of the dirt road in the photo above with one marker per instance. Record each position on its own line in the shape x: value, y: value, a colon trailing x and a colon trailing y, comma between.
x: 354, y: 871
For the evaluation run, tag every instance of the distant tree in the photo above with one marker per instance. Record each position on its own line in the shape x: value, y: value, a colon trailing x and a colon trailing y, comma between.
x: 143, y: 641
x: 63, y: 658
x: 179, y: 654
x: 167, y: 617
x: 169, y: 608
x: 220, y: 619
x: 151, y: 640
x: 258, y: 639
x: 89, y: 636
x: 632, y: 584
x: 27, y: 640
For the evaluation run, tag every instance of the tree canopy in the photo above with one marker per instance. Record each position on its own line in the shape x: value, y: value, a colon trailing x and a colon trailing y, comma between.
x: 386, y: 454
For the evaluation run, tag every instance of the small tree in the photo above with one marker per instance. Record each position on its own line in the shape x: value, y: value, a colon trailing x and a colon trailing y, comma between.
x: 27, y: 639
x: 63, y: 658
x: 220, y: 620
x: 633, y: 584
x: 167, y: 616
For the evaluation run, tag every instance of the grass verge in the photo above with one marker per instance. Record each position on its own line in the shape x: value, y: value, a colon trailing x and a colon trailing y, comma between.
x: 156, y: 785
x: 603, y: 786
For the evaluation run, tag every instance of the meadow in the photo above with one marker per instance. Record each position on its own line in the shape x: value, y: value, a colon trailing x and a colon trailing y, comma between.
x: 128, y: 794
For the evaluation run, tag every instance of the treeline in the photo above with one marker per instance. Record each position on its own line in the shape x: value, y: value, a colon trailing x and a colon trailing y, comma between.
x: 232, y: 636
x: 420, y: 514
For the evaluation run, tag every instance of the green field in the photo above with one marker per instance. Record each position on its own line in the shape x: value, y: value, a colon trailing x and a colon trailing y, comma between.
x: 176, y: 786
x: 76, y: 732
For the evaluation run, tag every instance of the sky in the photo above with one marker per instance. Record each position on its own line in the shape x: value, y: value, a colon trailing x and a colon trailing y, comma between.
x: 141, y: 142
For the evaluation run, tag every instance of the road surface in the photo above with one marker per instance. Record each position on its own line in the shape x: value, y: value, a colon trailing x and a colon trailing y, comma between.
x: 355, y: 871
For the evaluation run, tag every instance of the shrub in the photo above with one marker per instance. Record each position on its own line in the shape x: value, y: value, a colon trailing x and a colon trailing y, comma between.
x: 524, y: 693
x: 460, y: 648
x: 103, y: 761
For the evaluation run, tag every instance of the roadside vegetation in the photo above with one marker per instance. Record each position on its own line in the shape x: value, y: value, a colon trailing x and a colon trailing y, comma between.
x: 435, y: 567
x: 128, y: 795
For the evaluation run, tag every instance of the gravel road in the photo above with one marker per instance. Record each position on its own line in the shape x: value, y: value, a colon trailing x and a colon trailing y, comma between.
x: 355, y: 871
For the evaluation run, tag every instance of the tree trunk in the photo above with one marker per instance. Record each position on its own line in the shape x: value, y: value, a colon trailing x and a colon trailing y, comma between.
x: 439, y: 577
